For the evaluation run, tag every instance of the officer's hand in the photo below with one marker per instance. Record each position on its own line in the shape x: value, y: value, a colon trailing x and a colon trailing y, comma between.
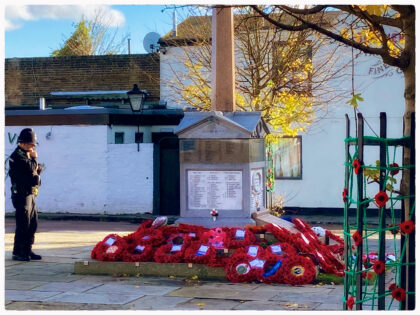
x: 33, y: 154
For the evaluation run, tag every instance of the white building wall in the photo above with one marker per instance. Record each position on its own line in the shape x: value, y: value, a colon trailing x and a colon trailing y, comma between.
x: 85, y: 174
x: 129, y: 178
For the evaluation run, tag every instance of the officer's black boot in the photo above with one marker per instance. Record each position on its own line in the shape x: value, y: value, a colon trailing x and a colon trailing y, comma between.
x: 34, y: 256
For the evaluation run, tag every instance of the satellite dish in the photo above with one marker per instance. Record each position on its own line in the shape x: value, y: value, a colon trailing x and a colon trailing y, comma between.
x: 150, y: 42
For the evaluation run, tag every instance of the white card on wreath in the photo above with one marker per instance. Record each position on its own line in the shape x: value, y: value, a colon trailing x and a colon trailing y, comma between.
x: 257, y: 263
x: 140, y: 248
x: 110, y: 241
x: 176, y: 248
x: 203, y: 249
x: 240, y: 234
x: 276, y: 249
x: 252, y: 251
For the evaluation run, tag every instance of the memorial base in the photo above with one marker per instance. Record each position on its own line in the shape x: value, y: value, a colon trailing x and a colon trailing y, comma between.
x: 209, y: 223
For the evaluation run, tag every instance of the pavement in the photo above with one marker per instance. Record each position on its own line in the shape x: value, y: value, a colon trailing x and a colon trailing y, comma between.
x: 51, y: 284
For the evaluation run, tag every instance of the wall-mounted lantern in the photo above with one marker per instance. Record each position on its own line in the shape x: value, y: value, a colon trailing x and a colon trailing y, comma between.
x: 136, y: 98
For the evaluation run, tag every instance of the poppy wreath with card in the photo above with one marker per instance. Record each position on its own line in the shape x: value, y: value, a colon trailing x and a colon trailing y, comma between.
x: 298, y: 270
x: 272, y: 272
x: 280, y: 249
x: 130, y: 239
x: 193, y: 231
x: 170, y: 253
x: 180, y: 239
x: 149, y: 236
x: 237, y: 238
x: 199, y: 253
x: 216, y: 237
x: 111, y: 248
x: 252, y: 251
x: 138, y: 253
x: 238, y: 269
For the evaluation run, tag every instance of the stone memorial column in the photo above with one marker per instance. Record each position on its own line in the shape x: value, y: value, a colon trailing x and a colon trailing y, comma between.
x: 222, y: 60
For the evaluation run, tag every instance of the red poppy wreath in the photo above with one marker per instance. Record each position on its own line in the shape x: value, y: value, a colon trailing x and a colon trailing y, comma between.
x: 111, y: 248
x: 193, y: 231
x: 170, y: 253
x: 138, y: 253
x: 149, y: 236
x: 252, y: 251
x: 199, y: 253
x: 237, y: 237
x: 272, y: 272
x: 298, y: 270
x: 280, y: 249
x: 238, y: 269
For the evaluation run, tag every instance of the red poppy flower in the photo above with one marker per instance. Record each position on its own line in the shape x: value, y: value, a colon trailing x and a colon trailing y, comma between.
x: 381, y: 199
x: 350, y: 302
x: 394, y: 229
x: 407, y: 227
x: 378, y: 267
x: 344, y: 194
x: 357, y: 238
x: 392, y: 286
x: 356, y: 166
x: 398, y: 294
x: 394, y: 172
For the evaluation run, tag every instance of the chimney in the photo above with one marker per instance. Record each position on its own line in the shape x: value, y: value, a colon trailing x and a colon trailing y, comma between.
x: 42, y: 103
x: 222, y: 60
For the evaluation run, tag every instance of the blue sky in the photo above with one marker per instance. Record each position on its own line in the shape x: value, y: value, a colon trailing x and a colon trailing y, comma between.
x: 37, y: 30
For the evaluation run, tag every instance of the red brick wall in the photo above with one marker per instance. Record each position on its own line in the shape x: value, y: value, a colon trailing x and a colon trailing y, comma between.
x: 28, y: 79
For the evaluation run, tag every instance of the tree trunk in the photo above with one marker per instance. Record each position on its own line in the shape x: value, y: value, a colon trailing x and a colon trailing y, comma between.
x: 407, y: 181
x: 409, y: 94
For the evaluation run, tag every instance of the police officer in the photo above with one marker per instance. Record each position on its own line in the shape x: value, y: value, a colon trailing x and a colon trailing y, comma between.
x: 24, y: 174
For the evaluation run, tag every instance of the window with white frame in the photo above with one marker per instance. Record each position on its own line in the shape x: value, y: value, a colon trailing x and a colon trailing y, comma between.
x: 288, y: 158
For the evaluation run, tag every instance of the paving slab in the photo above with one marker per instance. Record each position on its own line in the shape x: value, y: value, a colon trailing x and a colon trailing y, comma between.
x: 207, y: 304
x: 23, y: 295
x: 128, y: 288
x: 290, y: 289
x: 23, y: 285
x: 231, y: 286
x: 42, y: 306
x: 96, y: 298
x: 76, y: 286
x: 46, y: 278
x: 228, y: 294
x: 305, y: 297
x: 329, y: 307
x: 152, y: 303
x: 273, y: 305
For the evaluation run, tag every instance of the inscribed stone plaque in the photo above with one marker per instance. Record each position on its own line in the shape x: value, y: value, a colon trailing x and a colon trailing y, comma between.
x: 257, y: 189
x: 221, y: 190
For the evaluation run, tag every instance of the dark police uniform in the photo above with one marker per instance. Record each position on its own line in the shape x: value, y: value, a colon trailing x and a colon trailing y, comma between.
x: 24, y: 175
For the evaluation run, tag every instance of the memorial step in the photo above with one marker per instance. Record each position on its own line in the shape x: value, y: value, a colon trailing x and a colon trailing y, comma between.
x: 264, y: 217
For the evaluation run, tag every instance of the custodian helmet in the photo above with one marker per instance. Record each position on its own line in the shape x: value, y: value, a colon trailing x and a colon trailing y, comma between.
x: 27, y: 135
